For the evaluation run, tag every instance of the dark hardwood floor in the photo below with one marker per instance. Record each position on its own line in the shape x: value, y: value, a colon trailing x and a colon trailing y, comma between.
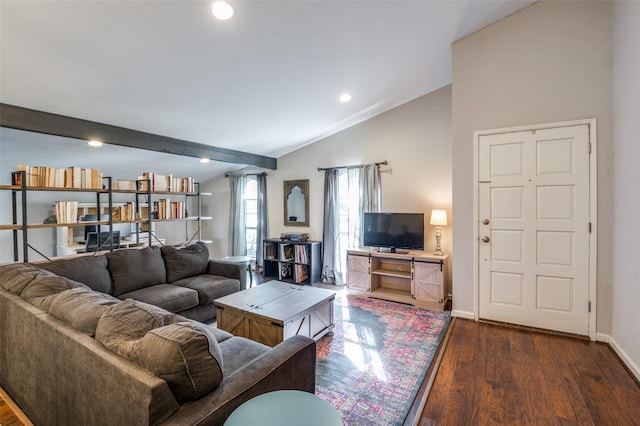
x: 495, y: 375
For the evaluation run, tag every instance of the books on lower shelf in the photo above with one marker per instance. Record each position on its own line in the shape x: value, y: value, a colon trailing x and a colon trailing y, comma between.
x: 50, y: 177
x: 66, y: 211
x: 302, y: 273
x: 167, y: 209
x: 301, y: 254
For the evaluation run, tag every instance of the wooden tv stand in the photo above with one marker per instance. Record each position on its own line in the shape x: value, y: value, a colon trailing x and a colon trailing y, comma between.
x: 415, y: 277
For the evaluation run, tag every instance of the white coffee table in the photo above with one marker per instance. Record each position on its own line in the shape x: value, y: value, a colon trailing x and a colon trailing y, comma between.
x: 285, y: 408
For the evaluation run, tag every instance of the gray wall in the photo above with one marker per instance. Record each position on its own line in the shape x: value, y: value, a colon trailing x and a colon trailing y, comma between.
x: 625, y: 320
x: 548, y: 63
x: 414, y: 138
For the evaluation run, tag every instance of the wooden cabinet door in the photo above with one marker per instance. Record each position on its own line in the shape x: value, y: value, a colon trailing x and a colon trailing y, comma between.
x: 428, y: 282
x: 358, y: 272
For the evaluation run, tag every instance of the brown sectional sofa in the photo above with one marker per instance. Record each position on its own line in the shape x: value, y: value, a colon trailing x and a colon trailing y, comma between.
x: 70, y: 355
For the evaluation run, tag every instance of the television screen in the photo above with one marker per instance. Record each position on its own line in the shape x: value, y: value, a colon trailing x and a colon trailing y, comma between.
x: 394, y: 230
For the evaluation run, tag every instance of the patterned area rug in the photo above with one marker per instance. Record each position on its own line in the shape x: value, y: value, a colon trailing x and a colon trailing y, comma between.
x: 373, y: 365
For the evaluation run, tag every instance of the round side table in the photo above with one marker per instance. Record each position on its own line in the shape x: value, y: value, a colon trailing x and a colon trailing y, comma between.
x: 244, y: 260
x: 285, y: 408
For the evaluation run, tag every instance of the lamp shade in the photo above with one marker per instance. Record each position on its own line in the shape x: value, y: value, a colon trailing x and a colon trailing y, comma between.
x: 438, y: 217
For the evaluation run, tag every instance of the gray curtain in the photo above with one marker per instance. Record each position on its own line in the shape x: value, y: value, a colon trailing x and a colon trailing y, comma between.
x: 262, y: 227
x: 331, y: 263
x: 237, y: 226
x: 370, y: 193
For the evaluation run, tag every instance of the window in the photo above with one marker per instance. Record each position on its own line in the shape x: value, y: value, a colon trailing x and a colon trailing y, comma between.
x: 251, y: 214
x: 349, y: 194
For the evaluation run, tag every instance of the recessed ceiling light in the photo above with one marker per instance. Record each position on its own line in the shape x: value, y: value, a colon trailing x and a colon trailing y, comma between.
x: 204, y: 160
x: 221, y: 10
x: 345, y: 97
x: 95, y: 143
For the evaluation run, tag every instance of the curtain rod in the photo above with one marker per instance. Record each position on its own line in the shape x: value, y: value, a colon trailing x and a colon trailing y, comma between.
x: 245, y: 174
x: 382, y: 163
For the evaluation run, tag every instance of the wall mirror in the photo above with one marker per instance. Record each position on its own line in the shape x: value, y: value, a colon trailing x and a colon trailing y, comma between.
x: 296, y: 202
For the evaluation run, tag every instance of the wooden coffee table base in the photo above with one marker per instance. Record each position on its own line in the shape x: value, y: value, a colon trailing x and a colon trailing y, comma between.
x: 275, y: 311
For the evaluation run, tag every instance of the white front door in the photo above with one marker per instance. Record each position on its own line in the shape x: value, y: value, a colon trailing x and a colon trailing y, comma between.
x: 533, y: 189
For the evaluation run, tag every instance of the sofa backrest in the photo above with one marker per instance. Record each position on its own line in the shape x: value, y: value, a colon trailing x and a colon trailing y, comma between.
x: 89, y: 270
x: 133, y: 269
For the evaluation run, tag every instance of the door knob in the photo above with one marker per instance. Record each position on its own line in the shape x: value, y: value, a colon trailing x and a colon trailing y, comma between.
x: 485, y: 239
x: 485, y: 221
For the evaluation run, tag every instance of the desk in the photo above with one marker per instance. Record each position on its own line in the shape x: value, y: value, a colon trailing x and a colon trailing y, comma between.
x: 245, y: 260
x: 285, y: 408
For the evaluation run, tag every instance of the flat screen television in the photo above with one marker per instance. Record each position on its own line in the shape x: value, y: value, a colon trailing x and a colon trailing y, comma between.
x: 392, y: 231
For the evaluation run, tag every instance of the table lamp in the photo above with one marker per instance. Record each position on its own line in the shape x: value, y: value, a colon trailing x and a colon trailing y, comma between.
x: 438, y: 218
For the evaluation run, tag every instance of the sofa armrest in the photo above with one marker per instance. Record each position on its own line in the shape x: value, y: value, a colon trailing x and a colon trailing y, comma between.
x: 289, y: 365
x: 229, y: 270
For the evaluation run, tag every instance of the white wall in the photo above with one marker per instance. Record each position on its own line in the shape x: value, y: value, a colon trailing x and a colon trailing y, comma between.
x: 414, y: 138
x: 547, y: 63
x: 625, y: 321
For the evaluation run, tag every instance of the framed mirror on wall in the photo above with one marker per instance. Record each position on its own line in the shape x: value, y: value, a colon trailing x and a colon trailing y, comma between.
x: 296, y: 202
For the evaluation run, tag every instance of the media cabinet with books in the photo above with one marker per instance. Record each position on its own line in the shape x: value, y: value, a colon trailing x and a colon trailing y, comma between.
x: 292, y: 261
x: 110, y: 213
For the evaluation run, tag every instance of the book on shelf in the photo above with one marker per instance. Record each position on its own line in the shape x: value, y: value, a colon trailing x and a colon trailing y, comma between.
x: 302, y: 273
x: 66, y: 212
x: 51, y: 177
x: 286, y: 252
x: 166, y: 183
x: 302, y: 254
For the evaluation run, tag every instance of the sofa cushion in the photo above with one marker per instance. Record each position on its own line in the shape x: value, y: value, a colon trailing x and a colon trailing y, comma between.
x: 129, y: 320
x: 89, y: 270
x: 16, y: 276
x: 81, y: 308
x: 180, y: 355
x: 135, y: 269
x: 166, y: 296
x: 183, y: 262
x: 186, y: 355
x: 238, y: 352
x: 43, y: 289
x: 210, y: 287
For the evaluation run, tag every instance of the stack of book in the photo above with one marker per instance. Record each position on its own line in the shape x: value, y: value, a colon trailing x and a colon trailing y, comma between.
x: 66, y: 211
x: 167, y: 209
x: 302, y: 254
x: 51, y: 177
x: 166, y: 183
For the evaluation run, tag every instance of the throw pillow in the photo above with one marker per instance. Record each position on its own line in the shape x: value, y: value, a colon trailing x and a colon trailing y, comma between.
x: 81, y: 308
x: 135, y: 269
x: 120, y: 324
x: 186, y: 261
x: 186, y: 355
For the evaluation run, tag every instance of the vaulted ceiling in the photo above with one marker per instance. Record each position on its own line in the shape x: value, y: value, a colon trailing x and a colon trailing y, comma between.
x: 265, y: 82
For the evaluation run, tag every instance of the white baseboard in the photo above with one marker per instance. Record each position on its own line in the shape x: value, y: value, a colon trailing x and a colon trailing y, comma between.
x: 631, y: 365
x: 463, y: 314
x: 601, y: 337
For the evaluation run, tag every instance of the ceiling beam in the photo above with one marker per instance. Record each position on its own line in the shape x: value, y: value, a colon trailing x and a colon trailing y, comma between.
x: 16, y: 117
